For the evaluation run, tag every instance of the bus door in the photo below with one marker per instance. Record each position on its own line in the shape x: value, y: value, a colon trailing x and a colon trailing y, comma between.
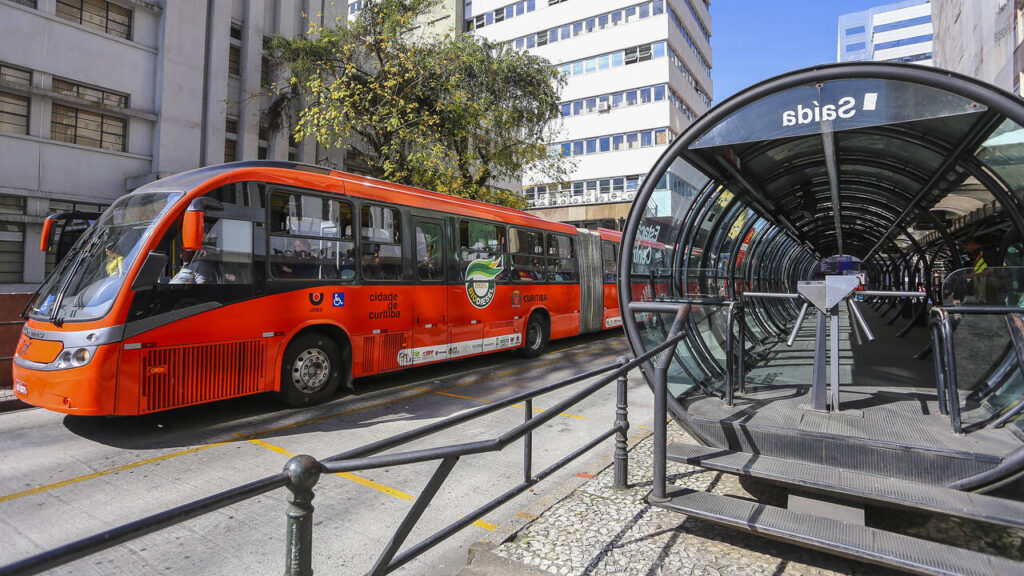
x: 430, y: 299
x: 480, y: 250
x: 198, y: 335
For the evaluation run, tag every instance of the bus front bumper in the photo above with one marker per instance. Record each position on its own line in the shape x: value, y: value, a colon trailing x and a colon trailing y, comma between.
x: 88, y: 390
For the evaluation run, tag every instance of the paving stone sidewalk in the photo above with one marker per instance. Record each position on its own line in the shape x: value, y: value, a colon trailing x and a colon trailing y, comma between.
x: 598, y: 530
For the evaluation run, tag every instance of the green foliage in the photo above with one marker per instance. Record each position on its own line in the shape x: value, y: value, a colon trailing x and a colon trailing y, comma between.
x: 450, y: 113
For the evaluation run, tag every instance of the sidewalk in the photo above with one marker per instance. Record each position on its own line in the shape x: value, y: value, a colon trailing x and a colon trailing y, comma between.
x: 594, y: 529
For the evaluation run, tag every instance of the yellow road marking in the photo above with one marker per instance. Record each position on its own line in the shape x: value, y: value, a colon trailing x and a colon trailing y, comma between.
x: 253, y: 435
x: 365, y: 482
x: 62, y: 483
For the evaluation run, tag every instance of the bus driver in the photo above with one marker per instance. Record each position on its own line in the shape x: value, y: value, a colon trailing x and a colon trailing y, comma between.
x: 196, y: 270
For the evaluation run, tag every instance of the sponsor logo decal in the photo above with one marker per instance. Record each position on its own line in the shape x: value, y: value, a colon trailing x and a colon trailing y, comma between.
x: 517, y: 299
x: 33, y: 333
x: 20, y: 387
x: 613, y: 322
x: 339, y: 300
x: 24, y: 348
x: 316, y: 298
x: 480, y: 275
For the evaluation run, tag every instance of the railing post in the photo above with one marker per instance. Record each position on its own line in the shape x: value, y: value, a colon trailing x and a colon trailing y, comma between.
x: 730, y: 354
x: 952, y: 389
x: 303, y: 473
x: 622, y: 424
x: 528, y: 444
x: 940, y: 367
x: 658, y: 488
x: 742, y: 321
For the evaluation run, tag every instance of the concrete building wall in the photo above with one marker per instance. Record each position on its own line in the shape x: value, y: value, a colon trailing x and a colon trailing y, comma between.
x: 173, y: 70
x: 977, y: 38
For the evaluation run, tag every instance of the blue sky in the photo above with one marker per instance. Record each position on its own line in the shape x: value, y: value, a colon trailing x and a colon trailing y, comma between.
x: 753, y: 40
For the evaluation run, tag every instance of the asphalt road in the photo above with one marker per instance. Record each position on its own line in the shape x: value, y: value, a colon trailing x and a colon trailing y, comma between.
x: 64, y: 477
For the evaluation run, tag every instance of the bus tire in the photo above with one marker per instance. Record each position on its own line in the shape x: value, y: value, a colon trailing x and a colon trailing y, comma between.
x: 535, y: 339
x: 311, y: 370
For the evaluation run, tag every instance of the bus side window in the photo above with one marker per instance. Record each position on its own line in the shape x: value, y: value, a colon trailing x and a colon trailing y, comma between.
x: 381, y: 253
x: 609, y: 262
x: 482, y: 241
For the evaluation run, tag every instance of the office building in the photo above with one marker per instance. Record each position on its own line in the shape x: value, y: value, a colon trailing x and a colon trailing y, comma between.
x: 99, y: 97
x: 638, y: 73
x: 897, y: 32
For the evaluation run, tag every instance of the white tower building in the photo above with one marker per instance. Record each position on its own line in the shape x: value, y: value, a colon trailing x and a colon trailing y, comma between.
x: 638, y: 73
x: 897, y: 32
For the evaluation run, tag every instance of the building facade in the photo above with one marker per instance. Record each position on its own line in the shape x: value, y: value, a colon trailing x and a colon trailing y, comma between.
x: 638, y: 73
x: 98, y: 97
x: 981, y: 38
x: 896, y: 32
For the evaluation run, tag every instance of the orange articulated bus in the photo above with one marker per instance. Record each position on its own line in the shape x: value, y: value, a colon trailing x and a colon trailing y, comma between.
x: 278, y: 277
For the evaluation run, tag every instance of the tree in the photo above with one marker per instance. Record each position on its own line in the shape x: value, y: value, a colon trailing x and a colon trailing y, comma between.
x: 450, y: 113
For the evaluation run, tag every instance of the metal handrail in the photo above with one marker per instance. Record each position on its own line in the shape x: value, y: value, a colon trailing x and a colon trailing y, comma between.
x: 302, y: 472
x: 945, y: 358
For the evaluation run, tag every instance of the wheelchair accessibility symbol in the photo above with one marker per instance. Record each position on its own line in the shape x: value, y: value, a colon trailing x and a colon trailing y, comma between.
x: 339, y: 300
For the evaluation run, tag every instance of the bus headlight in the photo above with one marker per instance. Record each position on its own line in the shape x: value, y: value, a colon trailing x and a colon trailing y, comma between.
x: 74, y: 358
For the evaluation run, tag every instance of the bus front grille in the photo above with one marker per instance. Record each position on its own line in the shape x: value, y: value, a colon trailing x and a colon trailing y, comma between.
x: 186, y: 375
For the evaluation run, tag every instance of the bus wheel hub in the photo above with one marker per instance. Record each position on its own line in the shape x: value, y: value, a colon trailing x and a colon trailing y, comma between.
x: 311, y: 370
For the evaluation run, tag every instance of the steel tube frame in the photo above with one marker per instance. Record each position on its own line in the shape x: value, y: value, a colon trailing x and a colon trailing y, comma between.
x: 798, y: 325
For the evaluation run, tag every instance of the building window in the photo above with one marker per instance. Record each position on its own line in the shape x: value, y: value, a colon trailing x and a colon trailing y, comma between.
x: 856, y: 46
x: 235, y: 51
x: 615, y: 142
x: 854, y: 30
x: 231, y: 139
x: 29, y: 3
x: 98, y: 15
x: 13, y: 113
x: 97, y: 95
x: 901, y: 42
x: 12, y: 240
x: 266, y: 66
x: 87, y: 128
x: 901, y: 24
x: 14, y: 108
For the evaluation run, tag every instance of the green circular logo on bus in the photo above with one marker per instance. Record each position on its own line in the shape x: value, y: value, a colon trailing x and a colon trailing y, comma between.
x: 480, y: 275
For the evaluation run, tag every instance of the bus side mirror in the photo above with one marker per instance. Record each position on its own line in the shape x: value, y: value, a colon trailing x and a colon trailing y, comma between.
x: 44, y: 240
x: 192, y: 230
x: 150, y: 272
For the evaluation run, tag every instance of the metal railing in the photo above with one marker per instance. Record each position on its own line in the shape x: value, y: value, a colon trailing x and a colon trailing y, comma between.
x: 946, y: 387
x: 301, y: 474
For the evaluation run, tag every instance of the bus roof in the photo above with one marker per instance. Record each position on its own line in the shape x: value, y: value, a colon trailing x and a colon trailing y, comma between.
x: 307, y: 175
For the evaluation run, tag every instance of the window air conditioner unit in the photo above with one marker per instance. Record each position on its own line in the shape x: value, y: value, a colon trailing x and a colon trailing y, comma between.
x: 561, y: 200
x: 604, y: 107
x: 630, y: 195
x: 614, y: 196
x: 576, y: 200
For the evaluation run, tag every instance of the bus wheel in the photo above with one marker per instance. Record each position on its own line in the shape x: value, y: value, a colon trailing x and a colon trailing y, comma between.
x: 311, y: 371
x: 536, y: 339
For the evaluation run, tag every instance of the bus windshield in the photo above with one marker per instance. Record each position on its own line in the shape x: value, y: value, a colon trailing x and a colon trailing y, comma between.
x: 85, y: 283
